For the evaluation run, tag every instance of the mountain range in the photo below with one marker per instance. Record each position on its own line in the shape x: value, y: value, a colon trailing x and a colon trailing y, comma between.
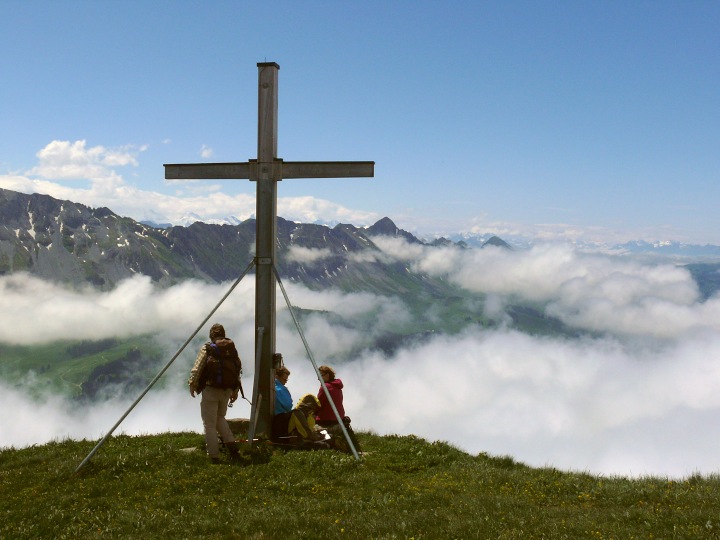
x: 70, y: 243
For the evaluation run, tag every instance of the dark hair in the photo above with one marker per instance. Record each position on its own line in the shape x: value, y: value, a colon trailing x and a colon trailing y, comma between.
x: 282, y: 370
x: 217, y: 331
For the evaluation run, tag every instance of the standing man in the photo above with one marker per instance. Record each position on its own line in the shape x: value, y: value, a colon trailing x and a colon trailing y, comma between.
x: 216, y: 375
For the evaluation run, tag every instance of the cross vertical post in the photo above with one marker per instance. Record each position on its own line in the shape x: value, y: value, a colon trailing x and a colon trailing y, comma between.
x: 265, y: 234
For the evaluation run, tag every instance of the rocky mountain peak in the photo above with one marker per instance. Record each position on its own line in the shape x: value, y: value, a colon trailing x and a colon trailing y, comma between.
x: 498, y: 242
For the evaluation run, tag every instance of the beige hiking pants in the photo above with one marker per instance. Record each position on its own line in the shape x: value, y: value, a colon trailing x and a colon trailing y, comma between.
x: 213, y: 407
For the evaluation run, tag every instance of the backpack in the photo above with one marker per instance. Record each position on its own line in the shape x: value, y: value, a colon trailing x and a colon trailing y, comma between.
x: 222, y: 366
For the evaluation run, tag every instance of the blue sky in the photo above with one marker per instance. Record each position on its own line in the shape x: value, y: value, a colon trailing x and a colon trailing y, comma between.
x: 594, y: 120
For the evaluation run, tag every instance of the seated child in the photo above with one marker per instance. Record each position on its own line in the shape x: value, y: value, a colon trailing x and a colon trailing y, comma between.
x: 301, y: 425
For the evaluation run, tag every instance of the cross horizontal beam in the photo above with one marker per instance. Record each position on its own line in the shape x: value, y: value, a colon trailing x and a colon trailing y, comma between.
x: 276, y: 170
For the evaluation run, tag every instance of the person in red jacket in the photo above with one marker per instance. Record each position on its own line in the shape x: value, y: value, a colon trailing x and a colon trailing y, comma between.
x: 325, y: 417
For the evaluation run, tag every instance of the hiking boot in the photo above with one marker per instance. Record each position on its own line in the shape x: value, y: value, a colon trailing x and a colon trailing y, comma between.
x: 234, y: 449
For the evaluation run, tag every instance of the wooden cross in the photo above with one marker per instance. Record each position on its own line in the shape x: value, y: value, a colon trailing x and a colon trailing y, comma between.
x: 267, y: 170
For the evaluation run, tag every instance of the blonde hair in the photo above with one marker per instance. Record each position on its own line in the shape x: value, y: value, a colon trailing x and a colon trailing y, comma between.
x: 309, y: 400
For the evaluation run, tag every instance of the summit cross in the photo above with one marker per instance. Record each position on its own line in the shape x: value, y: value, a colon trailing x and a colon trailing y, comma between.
x: 267, y: 170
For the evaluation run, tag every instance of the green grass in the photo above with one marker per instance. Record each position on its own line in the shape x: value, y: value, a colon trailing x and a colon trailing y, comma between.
x: 405, y: 487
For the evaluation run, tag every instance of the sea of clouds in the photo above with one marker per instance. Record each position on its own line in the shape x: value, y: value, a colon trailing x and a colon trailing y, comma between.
x: 639, y: 395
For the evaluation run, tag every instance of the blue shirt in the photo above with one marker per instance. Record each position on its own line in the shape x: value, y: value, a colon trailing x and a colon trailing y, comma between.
x: 283, y: 400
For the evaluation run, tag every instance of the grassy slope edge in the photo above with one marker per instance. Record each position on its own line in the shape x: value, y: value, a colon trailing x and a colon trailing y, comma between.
x: 405, y: 487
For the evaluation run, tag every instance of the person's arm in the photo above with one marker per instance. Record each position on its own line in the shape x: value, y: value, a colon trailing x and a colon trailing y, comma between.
x: 322, y: 397
x: 283, y: 398
x: 196, y: 371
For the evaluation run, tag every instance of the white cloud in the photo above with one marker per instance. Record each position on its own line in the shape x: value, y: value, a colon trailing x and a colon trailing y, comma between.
x: 327, y: 340
x: 348, y: 305
x: 134, y: 307
x: 399, y: 249
x: 591, y: 291
x: 313, y: 210
x: 364, y: 256
x: 597, y: 404
x: 49, y: 417
x: 75, y: 161
x: 206, y: 152
x: 594, y: 405
x: 63, y: 160
x: 305, y: 255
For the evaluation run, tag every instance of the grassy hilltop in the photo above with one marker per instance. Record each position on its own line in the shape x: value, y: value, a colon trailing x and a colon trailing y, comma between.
x: 405, y: 487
